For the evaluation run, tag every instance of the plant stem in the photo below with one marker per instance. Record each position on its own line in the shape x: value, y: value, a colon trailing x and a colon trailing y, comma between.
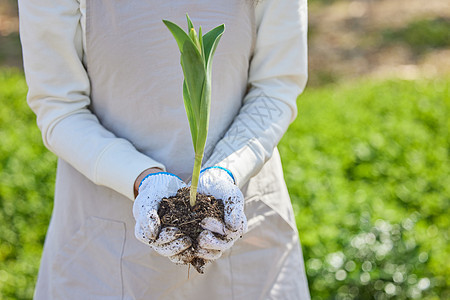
x: 195, y: 176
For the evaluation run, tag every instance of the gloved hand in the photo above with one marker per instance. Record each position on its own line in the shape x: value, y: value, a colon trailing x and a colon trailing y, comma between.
x: 219, y: 183
x: 169, y: 241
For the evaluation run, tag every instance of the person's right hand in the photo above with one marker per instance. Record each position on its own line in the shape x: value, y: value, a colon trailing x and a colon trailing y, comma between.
x: 169, y: 241
x: 219, y: 183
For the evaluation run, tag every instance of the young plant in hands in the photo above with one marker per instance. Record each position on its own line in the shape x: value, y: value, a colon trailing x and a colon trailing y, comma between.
x: 197, y: 51
x: 217, y: 234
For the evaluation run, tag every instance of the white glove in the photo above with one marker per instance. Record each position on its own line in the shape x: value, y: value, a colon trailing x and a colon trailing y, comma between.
x: 170, y: 241
x: 219, y: 183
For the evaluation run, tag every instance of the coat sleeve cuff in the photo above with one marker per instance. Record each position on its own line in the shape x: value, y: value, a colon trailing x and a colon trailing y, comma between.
x: 242, y: 172
x: 119, y: 165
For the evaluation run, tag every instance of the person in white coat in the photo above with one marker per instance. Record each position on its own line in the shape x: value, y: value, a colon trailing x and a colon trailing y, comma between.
x: 105, y: 83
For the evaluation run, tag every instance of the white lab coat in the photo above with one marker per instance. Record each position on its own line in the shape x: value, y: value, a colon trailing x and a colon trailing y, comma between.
x: 105, y: 83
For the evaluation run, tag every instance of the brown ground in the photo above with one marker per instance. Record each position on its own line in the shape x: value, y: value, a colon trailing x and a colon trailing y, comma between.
x: 345, y: 39
x: 10, y: 51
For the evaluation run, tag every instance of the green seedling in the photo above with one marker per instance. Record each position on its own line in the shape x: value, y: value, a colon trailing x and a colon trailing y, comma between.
x: 197, y: 51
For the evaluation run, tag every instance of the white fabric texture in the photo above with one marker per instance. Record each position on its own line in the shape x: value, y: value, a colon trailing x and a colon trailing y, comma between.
x: 218, y: 183
x: 169, y: 241
x: 59, y: 95
x: 277, y: 75
x: 61, y: 99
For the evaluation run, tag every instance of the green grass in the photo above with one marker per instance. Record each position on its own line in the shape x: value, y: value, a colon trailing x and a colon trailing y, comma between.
x: 26, y: 190
x: 367, y: 166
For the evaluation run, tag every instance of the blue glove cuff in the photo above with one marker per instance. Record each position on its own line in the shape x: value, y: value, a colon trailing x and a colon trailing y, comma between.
x: 222, y: 168
x: 158, y: 173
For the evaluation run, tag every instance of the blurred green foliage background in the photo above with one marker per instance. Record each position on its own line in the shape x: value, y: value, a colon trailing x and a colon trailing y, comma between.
x: 26, y: 190
x: 367, y: 165
x: 367, y: 161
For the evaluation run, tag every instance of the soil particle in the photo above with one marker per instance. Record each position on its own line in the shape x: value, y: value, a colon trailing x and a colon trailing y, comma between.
x: 177, y: 212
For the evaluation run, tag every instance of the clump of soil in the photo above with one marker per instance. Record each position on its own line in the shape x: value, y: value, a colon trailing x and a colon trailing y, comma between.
x: 177, y: 212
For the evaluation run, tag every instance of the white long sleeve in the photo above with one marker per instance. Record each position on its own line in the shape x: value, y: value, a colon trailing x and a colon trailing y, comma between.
x: 59, y: 91
x: 277, y: 75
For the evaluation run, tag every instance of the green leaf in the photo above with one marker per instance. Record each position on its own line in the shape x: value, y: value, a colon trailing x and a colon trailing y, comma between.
x: 190, y: 25
x: 210, y: 42
x: 203, y: 123
x: 190, y: 115
x: 193, y: 35
x: 178, y: 33
x: 194, y: 75
x: 200, y: 39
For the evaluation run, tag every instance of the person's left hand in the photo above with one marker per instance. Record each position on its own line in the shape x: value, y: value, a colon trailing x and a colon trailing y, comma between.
x: 219, y: 183
x: 168, y: 241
